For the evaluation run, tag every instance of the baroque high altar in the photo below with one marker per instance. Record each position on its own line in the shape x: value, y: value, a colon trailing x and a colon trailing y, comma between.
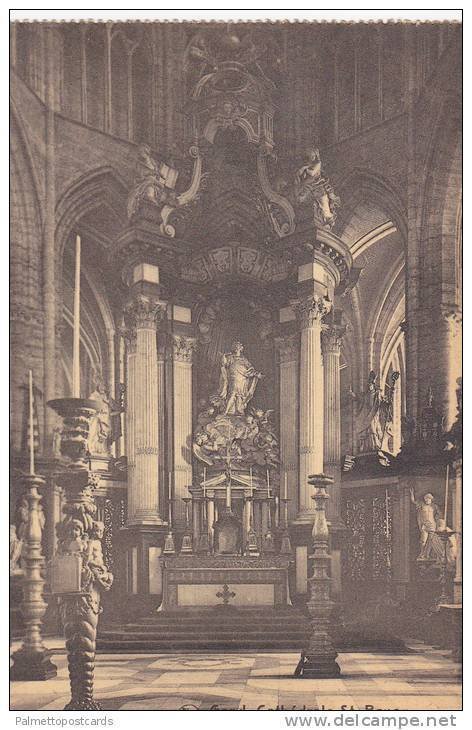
x: 234, y: 306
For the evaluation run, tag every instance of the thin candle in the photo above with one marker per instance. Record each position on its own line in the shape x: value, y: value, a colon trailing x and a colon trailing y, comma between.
x: 170, y: 485
x: 228, y: 490
x: 204, y: 481
x: 268, y: 483
x: 286, y: 486
x: 446, y: 496
x: 31, y: 425
x: 76, y: 338
x: 250, y: 476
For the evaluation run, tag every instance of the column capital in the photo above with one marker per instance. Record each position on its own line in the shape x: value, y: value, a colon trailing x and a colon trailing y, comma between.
x: 144, y: 311
x: 332, y: 338
x: 183, y: 348
x: 311, y: 310
x: 287, y: 348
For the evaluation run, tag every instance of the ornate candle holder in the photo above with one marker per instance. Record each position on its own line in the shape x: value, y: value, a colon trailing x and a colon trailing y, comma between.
x: 187, y: 547
x: 204, y: 538
x: 169, y: 544
x: 32, y: 661
x: 252, y: 547
x: 319, y: 660
x: 78, y: 572
x: 268, y: 545
x: 285, y: 545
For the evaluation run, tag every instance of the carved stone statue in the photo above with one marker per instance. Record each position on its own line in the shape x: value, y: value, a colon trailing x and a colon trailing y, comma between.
x: 311, y: 186
x: 101, y: 433
x: 377, y: 412
x: 154, y: 182
x: 427, y: 515
x: 238, y: 381
x: 228, y: 431
x: 95, y: 561
x: 16, y: 546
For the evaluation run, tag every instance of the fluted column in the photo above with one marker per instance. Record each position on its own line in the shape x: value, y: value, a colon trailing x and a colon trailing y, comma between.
x: 310, y: 312
x: 288, y: 350
x: 331, y: 345
x: 142, y: 314
x: 183, y: 348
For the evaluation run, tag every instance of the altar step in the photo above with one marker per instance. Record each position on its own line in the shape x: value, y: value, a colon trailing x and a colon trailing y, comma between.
x: 213, y: 630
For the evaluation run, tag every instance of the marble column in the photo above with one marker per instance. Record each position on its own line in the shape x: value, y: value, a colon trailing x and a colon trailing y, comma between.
x: 331, y: 345
x: 288, y: 351
x: 310, y: 311
x: 183, y: 348
x: 143, y: 312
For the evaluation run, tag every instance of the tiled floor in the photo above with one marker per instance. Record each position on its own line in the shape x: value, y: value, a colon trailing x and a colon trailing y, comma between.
x: 425, y: 679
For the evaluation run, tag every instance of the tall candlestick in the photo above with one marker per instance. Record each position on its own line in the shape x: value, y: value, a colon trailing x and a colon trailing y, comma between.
x: 286, y: 486
x: 76, y: 340
x: 31, y: 425
x: 170, y: 485
x: 446, y: 496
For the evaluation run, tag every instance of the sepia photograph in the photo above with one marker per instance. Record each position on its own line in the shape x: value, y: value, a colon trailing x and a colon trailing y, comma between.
x: 235, y: 386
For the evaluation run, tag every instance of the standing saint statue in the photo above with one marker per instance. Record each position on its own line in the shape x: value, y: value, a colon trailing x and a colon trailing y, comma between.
x: 238, y: 381
x: 101, y: 433
x: 427, y: 515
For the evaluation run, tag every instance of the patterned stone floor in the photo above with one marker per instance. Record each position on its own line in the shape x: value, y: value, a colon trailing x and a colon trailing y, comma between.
x: 425, y: 679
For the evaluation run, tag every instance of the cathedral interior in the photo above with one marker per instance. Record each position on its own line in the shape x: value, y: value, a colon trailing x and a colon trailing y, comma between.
x: 235, y: 387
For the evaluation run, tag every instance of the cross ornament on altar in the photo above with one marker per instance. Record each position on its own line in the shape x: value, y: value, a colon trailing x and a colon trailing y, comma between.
x: 225, y: 594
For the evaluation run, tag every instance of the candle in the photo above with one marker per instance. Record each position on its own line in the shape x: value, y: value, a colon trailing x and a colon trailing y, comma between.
x: 170, y: 485
x: 76, y: 338
x: 31, y: 425
x: 277, y: 511
x: 268, y: 483
x: 446, y: 496
x: 286, y: 486
x: 250, y: 476
x: 204, y: 481
x: 228, y: 492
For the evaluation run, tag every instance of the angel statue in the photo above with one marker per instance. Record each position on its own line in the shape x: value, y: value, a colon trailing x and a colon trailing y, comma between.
x: 154, y: 182
x: 238, y: 381
x: 311, y: 186
x: 377, y: 412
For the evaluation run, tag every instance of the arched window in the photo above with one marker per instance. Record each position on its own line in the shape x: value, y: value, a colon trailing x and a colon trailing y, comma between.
x: 72, y: 70
x: 119, y: 85
x: 95, y: 55
x: 142, y: 79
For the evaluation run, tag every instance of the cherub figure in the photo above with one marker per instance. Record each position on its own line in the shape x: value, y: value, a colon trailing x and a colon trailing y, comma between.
x: 95, y: 562
x: 76, y: 542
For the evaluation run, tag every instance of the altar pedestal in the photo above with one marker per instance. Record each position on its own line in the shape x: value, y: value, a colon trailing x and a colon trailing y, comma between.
x: 193, y: 581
